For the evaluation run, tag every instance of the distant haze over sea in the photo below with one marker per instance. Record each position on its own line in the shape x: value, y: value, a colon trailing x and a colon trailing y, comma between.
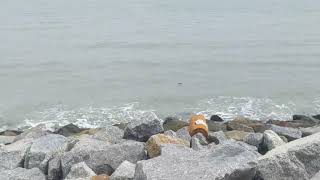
x: 99, y: 62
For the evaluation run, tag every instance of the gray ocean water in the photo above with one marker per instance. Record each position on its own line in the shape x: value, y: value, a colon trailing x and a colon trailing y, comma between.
x: 97, y: 62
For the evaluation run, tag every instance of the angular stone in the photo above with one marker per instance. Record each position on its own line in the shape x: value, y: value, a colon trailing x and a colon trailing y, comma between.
x: 216, y: 126
x: 174, y: 123
x: 257, y: 126
x: 234, y: 125
x: 143, y: 130
x: 10, y: 133
x: 13, y: 155
x: 198, y: 141
x: 271, y: 140
x: 254, y: 139
x: 102, y: 157
x: 33, y: 133
x: 124, y: 172
x: 41, y: 147
x: 217, y: 137
x: 110, y: 133
x: 6, y: 139
x: 216, y: 118
x: 299, y: 159
x: 310, y: 130
x: 80, y: 171
x: 22, y: 174
x: 236, y: 135
x: 290, y: 133
x: 54, y: 167
x: 183, y: 133
x: 224, y: 161
x: 68, y: 130
x: 153, y: 145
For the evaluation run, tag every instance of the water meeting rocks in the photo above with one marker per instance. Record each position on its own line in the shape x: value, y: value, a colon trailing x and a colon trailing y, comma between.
x: 143, y: 129
x: 224, y: 161
x: 299, y: 159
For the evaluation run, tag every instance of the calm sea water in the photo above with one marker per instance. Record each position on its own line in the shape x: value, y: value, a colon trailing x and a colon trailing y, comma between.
x: 96, y: 62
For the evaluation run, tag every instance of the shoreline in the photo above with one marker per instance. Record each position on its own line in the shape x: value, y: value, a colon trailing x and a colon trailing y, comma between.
x: 151, y: 148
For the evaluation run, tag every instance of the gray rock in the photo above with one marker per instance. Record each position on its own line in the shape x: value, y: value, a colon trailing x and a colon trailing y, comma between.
x: 68, y: 130
x: 290, y: 133
x: 13, y: 155
x: 216, y: 126
x: 34, y: 132
x: 10, y: 133
x: 198, y: 141
x: 45, y: 145
x: 316, y: 116
x: 316, y: 177
x: 124, y: 172
x: 6, y: 139
x: 143, y: 129
x: 224, y: 161
x: 254, y: 139
x: 111, y: 134
x: 174, y: 123
x: 216, y: 118
x: 102, y: 157
x: 54, y: 167
x: 22, y: 174
x: 80, y: 171
x: 299, y: 159
x: 170, y: 133
x: 183, y: 133
x: 271, y: 140
x: 217, y: 137
x: 310, y: 130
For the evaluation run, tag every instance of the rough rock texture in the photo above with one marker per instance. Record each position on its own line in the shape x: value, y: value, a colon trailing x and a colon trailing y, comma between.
x: 254, y: 139
x: 236, y: 135
x: 216, y: 137
x: 54, y: 167
x: 235, y: 125
x: 68, y: 130
x: 198, y: 141
x: 153, y: 145
x: 45, y: 145
x: 10, y: 133
x: 183, y: 133
x: 216, y: 126
x: 142, y: 130
x: 174, y: 123
x: 271, y: 140
x: 299, y: 159
x: 13, y: 155
x: 316, y: 177
x: 290, y: 133
x: 33, y: 133
x: 6, y: 139
x: 124, y: 172
x: 111, y: 134
x: 102, y: 157
x: 257, y: 126
x: 216, y: 118
x: 80, y: 171
x: 22, y: 174
x: 170, y: 133
x: 310, y: 130
x: 224, y: 161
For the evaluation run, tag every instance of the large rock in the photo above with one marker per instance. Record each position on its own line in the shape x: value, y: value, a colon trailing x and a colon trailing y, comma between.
x: 41, y: 147
x: 68, y: 130
x: 10, y: 133
x: 254, y: 139
x: 236, y: 135
x: 80, y: 171
x: 6, y: 139
x: 34, y: 132
x: 153, y: 145
x: 216, y: 137
x: 290, y: 133
x: 22, y: 174
x: 299, y: 159
x: 102, y: 157
x: 54, y: 167
x: 183, y: 133
x: 216, y: 118
x: 111, y: 134
x: 170, y: 133
x: 224, y: 161
x: 216, y: 126
x: 316, y: 116
x: 142, y: 130
x: 235, y: 125
x: 13, y: 155
x: 271, y: 140
x: 310, y: 130
x: 198, y: 141
x: 124, y: 172
x: 174, y: 123
x: 257, y: 126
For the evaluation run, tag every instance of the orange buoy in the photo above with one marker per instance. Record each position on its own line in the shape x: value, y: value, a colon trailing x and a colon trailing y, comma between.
x: 198, y: 124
